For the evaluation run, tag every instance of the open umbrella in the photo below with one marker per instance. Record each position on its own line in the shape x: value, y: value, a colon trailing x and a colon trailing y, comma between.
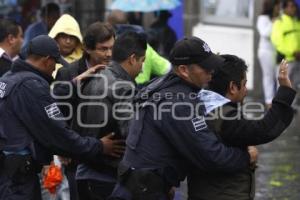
x: 144, y: 5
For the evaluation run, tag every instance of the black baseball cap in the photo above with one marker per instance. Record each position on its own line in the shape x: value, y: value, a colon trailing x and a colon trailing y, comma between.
x: 43, y: 45
x: 193, y: 50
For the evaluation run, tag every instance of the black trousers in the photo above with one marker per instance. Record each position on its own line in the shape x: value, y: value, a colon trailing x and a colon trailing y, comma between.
x: 18, y: 179
x: 20, y: 188
x: 94, y: 190
x: 70, y: 172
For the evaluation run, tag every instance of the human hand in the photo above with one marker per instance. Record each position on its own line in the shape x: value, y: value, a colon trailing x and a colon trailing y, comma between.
x: 89, y: 72
x: 283, y: 77
x: 113, y: 147
x: 253, y: 152
x: 45, y: 170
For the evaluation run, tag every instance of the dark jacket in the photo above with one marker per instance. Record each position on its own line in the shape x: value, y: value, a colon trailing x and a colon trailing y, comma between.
x: 67, y: 73
x: 170, y: 134
x: 67, y: 88
x: 115, y: 86
x: 5, y: 65
x: 30, y: 118
x: 109, y: 92
x: 235, y: 130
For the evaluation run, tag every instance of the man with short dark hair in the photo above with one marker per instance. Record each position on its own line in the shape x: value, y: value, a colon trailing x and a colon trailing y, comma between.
x: 169, y: 133
x: 224, y: 116
x: 117, y: 81
x: 98, y: 43
x: 11, y: 39
x: 154, y: 65
x: 30, y: 122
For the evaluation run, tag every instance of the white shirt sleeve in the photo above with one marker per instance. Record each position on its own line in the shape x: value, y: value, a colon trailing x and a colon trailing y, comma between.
x: 264, y: 26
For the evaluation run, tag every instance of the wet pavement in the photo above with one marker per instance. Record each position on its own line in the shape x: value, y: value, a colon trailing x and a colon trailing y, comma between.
x: 278, y: 172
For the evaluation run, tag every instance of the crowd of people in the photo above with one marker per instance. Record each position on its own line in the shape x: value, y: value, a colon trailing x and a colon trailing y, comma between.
x: 128, y: 120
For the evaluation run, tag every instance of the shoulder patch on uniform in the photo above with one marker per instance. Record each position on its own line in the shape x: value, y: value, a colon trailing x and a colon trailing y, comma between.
x: 199, y: 123
x: 2, y: 89
x: 52, y: 110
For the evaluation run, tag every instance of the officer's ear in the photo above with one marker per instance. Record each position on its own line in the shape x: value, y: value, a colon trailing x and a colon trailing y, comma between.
x: 47, y: 58
x: 183, y: 71
x: 44, y: 59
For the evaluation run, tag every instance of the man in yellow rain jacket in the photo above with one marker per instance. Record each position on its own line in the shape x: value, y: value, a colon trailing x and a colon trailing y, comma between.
x: 67, y: 34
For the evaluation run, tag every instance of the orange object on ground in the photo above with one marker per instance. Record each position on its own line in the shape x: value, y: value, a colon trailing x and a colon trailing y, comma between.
x: 53, y: 178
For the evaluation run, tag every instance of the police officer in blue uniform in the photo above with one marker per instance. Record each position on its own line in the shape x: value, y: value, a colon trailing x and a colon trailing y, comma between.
x: 31, y: 126
x: 169, y: 132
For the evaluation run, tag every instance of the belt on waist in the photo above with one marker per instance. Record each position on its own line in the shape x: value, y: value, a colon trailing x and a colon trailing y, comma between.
x: 22, y: 152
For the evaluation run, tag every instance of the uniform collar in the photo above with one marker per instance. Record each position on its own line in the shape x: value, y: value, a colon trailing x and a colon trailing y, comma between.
x: 21, y: 65
x: 188, y: 84
x: 165, y: 82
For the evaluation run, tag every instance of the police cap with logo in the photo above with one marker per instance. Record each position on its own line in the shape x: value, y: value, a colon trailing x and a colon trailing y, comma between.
x: 193, y: 50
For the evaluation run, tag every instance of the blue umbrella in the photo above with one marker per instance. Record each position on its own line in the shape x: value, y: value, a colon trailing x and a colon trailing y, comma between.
x: 144, y: 5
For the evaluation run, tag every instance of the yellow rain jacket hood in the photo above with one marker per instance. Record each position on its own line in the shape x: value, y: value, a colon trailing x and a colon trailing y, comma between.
x: 68, y: 25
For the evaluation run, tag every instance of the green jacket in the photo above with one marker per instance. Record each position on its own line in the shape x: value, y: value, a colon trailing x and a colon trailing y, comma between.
x: 154, y: 65
x: 286, y: 36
